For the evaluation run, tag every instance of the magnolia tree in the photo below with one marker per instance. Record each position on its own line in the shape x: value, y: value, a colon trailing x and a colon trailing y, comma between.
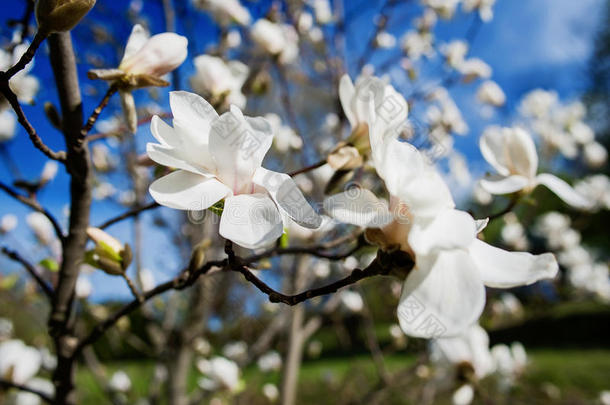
x: 298, y: 165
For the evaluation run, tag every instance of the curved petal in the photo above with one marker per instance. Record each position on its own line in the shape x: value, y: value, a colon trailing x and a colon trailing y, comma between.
x: 491, y: 144
x: 346, y: 94
x: 450, y: 229
x: 192, y: 110
x: 183, y: 190
x: 251, y: 220
x: 504, y: 185
x: 503, y: 269
x: 427, y: 194
x: 563, y: 190
x: 163, y: 132
x: 397, y: 163
x: 441, y: 297
x: 138, y: 37
x: 521, y: 152
x: 170, y: 157
x: 359, y: 207
x: 238, y: 145
x: 288, y: 197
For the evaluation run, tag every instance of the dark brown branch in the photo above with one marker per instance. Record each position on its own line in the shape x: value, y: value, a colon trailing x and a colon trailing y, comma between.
x: 11, y: 97
x: 308, y: 168
x: 513, y: 202
x: 13, y: 255
x: 4, y: 384
x: 32, y: 203
x: 26, y: 57
x: 98, y: 110
x: 185, y: 279
x: 131, y: 213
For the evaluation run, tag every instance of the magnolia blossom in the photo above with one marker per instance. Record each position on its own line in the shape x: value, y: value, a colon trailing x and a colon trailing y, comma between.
x: 455, y: 52
x: 18, y: 362
x: 120, y: 382
x: 8, y: 222
x: 595, y: 154
x: 352, y: 301
x: 220, y: 373
x: 444, y: 8
x: 279, y: 40
x: 24, y: 85
x: 417, y: 44
x: 385, y: 40
x: 285, y: 137
x: 28, y: 398
x: 145, y: 61
x: 235, y: 350
x: 219, y: 79
x: 41, y: 227
x: 322, y: 10
x: 270, y: 361
x: 83, y: 287
x: 474, y: 68
x: 511, y: 151
x: 8, y: 125
x: 271, y: 392
x: 484, y: 7
x: 489, y: 92
x: 225, y: 12
x: 538, y: 103
x: 219, y: 159
x: 463, y: 395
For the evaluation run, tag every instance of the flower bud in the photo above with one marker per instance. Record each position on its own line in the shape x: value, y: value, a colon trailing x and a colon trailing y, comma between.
x: 160, y: 54
x: 61, y: 15
x: 109, y: 255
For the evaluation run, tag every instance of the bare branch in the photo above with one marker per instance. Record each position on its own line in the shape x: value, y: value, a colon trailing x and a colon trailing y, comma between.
x: 8, y: 384
x: 35, y: 205
x: 13, y: 255
x: 131, y: 213
x: 308, y: 168
x: 98, y: 110
x: 26, y: 57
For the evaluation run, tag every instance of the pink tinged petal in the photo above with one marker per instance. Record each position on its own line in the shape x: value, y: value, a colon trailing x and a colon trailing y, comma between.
x: 161, y: 54
x: 137, y: 39
x: 522, y: 152
x: 359, y: 207
x: 564, y: 191
x: 504, y: 185
x: 183, y: 190
x: 251, y: 220
x: 427, y: 195
x: 175, y: 158
x: 492, y: 148
x: 503, y: 269
x: 238, y: 145
x: 346, y: 94
x: 451, y: 229
x: 442, y: 296
x: 288, y: 197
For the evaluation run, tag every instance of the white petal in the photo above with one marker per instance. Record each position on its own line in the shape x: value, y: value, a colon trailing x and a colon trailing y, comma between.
x: 504, y: 185
x: 481, y: 224
x: 427, y: 195
x: 346, y: 94
x: 359, y: 207
x: 449, y: 230
x: 187, y: 191
x: 251, y: 220
x: 163, y: 132
x: 442, y: 296
x: 563, y: 190
x: 161, y: 54
x: 502, y: 269
x: 491, y: 144
x: 191, y: 109
x: 397, y: 163
x: 522, y: 152
x: 238, y: 145
x: 288, y: 197
x: 137, y: 39
x: 170, y: 157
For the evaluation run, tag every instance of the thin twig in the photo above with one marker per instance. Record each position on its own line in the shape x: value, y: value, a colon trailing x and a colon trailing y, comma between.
x: 8, y: 384
x: 13, y: 255
x: 132, y: 287
x: 513, y: 202
x: 98, y: 110
x: 11, y: 97
x: 308, y: 168
x: 32, y: 203
x: 26, y: 57
x: 131, y: 213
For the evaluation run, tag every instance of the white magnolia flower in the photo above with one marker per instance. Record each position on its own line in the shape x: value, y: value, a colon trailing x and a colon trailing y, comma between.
x: 444, y: 8
x: 417, y: 44
x: 455, y: 52
x: 471, y: 347
x: 489, y: 92
x: 279, y: 40
x: 120, y: 382
x: 219, y: 158
x: 538, y: 103
x: 484, y: 7
x: 285, y: 137
x: 474, y: 68
x: 235, y: 350
x: 41, y: 227
x: 28, y: 398
x: 272, y: 393
x: 8, y: 223
x: 511, y: 151
x: 270, y: 361
x: 233, y: 39
x: 18, y: 362
x: 322, y: 10
x: 214, y: 77
x: 220, y: 373
x: 445, y: 117
x: 49, y: 171
x: 595, y: 188
x: 147, y: 279
x: 351, y: 300
x: 304, y: 22
x: 463, y: 395
x: 445, y: 292
x: 83, y: 287
x: 385, y: 40
x: 225, y: 12
x: 595, y: 154
x: 8, y: 125
x: 24, y: 85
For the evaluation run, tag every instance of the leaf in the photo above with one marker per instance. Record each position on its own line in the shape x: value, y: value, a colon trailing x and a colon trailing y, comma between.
x: 50, y: 264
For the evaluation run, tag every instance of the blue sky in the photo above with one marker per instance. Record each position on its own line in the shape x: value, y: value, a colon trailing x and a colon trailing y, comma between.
x: 529, y: 44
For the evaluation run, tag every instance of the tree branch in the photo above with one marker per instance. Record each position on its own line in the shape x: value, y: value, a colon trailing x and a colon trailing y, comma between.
x: 13, y: 255
x: 308, y: 168
x: 98, y: 110
x: 35, y: 205
x: 8, y: 384
x: 131, y: 213
x: 26, y: 57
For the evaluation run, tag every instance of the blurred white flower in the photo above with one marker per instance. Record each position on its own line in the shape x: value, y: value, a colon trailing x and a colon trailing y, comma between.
x: 49, y: 171
x: 322, y: 10
x: 538, y: 103
x: 6, y: 329
x: 202, y: 346
x: 271, y: 392
x: 8, y: 223
x: 595, y: 155
x: 352, y: 301
x: 489, y: 92
x: 41, y: 227
x: 463, y: 395
x: 596, y: 188
x: 455, y: 52
x: 18, y: 362
x: 225, y: 12
x: 279, y: 40
x: 216, y: 78
x: 235, y: 350
x: 417, y: 44
x: 444, y: 8
x: 24, y: 85
x: 270, y: 361
x: 120, y: 382
x: 305, y: 22
x: 28, y: 398
x: 8, y: 125
x: 474, y: 68
x: 83, y: 287
x: 233, y: 39
x: 220, y: 374
x: 485, y: 8
x: 385, y: 40
x: 284, y: 137
x: 147, y: 279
